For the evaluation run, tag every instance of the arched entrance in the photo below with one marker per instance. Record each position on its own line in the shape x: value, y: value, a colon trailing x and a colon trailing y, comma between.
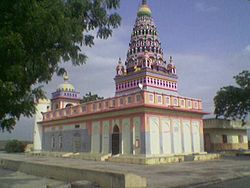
x: 115, y: 140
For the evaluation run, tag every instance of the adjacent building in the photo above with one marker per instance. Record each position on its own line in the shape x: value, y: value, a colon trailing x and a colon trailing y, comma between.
x: 147, y: 116
x: 224, y: 135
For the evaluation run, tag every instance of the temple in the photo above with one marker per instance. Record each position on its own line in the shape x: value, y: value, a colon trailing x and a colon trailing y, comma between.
x: 146, y: 117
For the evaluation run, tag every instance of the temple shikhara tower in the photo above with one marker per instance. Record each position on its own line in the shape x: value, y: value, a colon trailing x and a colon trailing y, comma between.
x: 146, y: 117
x: 145, y: 63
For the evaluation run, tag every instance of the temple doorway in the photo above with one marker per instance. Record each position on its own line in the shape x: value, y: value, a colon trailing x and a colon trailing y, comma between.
x: 116, y: 140
x: 76, y: 143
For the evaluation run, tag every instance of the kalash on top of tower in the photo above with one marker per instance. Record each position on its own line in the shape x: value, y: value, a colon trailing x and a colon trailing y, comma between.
x: 145, y: 64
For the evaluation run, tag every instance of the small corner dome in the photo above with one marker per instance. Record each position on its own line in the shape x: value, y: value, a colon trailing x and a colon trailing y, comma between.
x: 65, y: 86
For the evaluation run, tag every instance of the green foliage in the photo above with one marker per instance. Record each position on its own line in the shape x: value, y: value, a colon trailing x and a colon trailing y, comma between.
x: 234, y: 102
x: 89, y: 97
x: 14, y: 146
x: 36, y: 36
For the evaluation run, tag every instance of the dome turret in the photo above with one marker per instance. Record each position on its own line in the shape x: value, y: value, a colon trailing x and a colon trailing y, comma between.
x: 65, y: 86
x: 65, y: 95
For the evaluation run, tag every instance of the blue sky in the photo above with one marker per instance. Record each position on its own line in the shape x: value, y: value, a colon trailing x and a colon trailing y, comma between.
x: 209, y: 40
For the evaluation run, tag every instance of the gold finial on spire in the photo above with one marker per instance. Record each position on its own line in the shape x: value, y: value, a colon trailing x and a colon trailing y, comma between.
x: 144, y: 2
x: 65, y: 76
x: 144, y: 9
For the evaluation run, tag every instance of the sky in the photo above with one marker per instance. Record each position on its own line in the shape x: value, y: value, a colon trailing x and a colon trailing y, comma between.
x: 208, y: 39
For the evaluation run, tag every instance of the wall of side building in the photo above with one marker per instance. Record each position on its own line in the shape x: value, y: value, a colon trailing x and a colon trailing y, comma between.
x: 225, y: 139
x: 222, y: 135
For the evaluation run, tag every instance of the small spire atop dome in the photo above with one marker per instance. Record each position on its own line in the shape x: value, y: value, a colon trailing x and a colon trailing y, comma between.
x: 144, y: 2
x: 120, y: 70
x: 171, y: 59
x: 120, y: 61
x: 65, y: 76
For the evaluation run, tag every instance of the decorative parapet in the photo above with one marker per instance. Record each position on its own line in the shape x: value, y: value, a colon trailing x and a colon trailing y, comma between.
x: 143, y: 98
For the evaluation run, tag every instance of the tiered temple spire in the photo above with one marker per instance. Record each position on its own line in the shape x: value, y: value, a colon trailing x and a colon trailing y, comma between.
x: 145, y: 53
x: 145, y: 47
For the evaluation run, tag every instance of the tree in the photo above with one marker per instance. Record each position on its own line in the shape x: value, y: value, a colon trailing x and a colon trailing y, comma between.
x: 234, y: 101
x: 36, y: 36
x: 89, y: 97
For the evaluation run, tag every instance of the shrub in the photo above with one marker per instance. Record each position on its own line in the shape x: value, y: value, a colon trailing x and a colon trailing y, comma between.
x: 14, y: 146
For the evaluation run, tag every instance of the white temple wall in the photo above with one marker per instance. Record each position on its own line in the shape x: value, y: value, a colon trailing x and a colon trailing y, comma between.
x: 173, y: 135
x: 95, y: 138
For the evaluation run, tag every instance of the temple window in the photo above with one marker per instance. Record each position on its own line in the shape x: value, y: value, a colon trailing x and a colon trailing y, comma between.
x: 113, y: 103
x: 175, y: 102
x: 182, y: 102
x: 84, y: 108
x: 77, y: 126
x: 151, y: 98
x: 189, y: 104
x: 106, y: 104
x: 94, y: 107
x: 138, y: 98
x: 121, y: 101
x: 129, y: 100
x: 224, y: 139
x: 167, y: 100
x: 100, y: 105
x: 159, y: 99
x: 195, y: 105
